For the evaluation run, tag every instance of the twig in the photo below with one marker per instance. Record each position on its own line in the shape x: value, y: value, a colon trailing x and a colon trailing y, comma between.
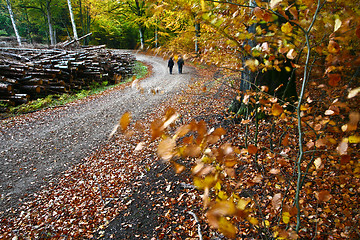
x: 197, y: 222
x: 99, y: 186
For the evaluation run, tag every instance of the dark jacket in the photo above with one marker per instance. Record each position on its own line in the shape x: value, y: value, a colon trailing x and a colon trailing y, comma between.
x: 180, y: 62
x: 170, y: 63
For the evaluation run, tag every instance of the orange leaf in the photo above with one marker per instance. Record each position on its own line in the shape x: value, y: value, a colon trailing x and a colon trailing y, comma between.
x: 294, y: 12
x: 252, y: 149
x: 323, y: 196
x: 178, y: 168
x: 258, y: 13
x: 220, y: 209
x: 139, y: 146
x: 358, y: 31
x: 345, y: 159
x: 274, y: 171
x: 276, y: 201
x: 333, y: 47
x: 156, y: 129
x: 276, y: 109
x: 125, y: 121
x: 192, y: 151
x: 285, y: 141
x: 166, y: 149
x: 343, y: 147
x: 334, y: 79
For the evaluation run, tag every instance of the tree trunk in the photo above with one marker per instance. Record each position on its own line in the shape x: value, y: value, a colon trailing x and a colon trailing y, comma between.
x: 51, y: 31
x: 13, y: 22
x: 28, y: 25
x: 156, y: 37
x: 141, y: 32
x: 248, y: 76
x: 72, y: 20
x: 197, y: 35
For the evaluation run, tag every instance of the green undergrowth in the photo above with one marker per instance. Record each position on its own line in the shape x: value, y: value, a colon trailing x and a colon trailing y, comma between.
x: 140, y: 71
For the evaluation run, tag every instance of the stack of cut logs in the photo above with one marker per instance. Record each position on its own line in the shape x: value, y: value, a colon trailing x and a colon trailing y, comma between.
x: 27, y: 74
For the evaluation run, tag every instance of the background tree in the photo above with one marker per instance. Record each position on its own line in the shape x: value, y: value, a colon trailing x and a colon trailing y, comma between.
x: 72, y: 19
x: 13, y: 22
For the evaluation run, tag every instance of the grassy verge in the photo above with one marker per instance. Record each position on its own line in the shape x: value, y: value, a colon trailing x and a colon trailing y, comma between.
x: 140, y: 71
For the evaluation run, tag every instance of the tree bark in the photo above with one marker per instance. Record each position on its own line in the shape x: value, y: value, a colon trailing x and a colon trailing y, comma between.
x: 51, y: 31
x: 13, y: 22
x: 72, y: 20
x: 141, y: 32
x: 197, y: 35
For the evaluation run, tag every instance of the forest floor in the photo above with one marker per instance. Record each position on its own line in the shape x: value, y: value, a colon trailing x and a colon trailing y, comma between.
x: 61, y: 177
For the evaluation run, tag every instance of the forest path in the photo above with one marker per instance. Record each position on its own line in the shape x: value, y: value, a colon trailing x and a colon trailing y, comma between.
x: 35, y: 148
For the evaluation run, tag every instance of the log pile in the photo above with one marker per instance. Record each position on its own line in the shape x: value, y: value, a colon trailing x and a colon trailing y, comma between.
x: 27, y: 74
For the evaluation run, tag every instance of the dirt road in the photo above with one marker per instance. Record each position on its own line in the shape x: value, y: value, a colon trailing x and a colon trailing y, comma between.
x: 35, y: 148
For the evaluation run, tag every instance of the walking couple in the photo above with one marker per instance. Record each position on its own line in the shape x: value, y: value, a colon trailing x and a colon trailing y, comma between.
x: 180, y: 64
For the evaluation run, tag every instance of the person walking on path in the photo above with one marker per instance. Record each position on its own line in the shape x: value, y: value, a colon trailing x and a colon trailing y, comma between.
x: 171, y: 64
x: 180, y: 64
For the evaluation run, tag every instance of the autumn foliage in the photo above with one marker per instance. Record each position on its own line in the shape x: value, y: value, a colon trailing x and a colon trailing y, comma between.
x: 294, y: 174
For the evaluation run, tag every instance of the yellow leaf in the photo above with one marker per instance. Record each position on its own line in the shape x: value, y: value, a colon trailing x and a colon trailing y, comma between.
x: 267, y: 223
x: 252, y: 64
x: 227, y: 228
x: 203, y: 5
x: 253, y: 221
x: 217, y: 186
x: 276, y: 109
x: 243, y: 202
x: 222, y: 195
x: 286, y: 217
x: 125, y: 121
x: 286, y: 28
x: 354, y: 139
x: 207, y: 182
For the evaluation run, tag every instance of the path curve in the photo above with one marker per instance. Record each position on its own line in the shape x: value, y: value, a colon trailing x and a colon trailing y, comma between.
x: 37, y: 147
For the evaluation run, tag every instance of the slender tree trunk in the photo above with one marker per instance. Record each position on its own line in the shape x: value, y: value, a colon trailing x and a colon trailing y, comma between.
x: 141, y: 32
x: 156, y: 37
x: 82, y: 20
x: 88, y: 24
x: 72, y: 20
x: 28, y: 26
x: 247, y: 76
x: 197, y: 35
x: 51, y: 31
x: 13, y: 22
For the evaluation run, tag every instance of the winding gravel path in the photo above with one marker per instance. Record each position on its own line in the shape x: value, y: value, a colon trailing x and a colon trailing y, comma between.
x: 35, y: 148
